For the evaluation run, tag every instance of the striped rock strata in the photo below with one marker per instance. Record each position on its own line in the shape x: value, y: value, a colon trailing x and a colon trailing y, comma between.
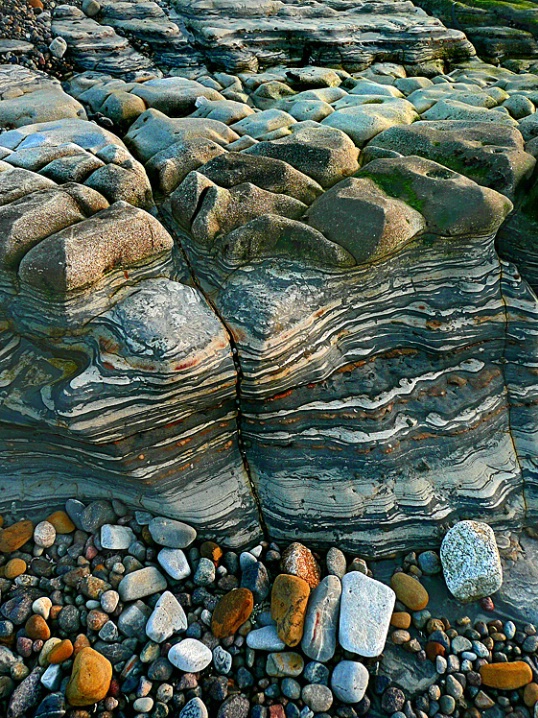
x: 117, y: 378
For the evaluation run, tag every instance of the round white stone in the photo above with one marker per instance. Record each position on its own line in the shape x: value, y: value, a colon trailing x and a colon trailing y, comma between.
x: 44, y: 534
x: 174, y: 562
x: 190, y: 655
x: 116, y: 538
x: 349, y: 681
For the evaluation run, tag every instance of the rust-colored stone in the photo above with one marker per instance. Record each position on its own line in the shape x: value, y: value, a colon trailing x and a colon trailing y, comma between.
x: 434, y: 649
x: 16, y: 536
x: 211, y: 550
x: 506, y: 676
x: 61, y: 652
x: 81, y: 641
x: 289, y: 599
x: 233, y: 609
x: 15, y: 567
x: 37, y: 628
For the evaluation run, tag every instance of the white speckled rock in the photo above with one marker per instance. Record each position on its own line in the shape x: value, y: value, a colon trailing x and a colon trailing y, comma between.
x: 365, y: 612
x: 117, y: 538
x: 471, y: 561
x: 349, y: 681
x: 168, y: 617
x: 174, y: 562
x: 144, y: 582
x: 44, y: 534
x: 190, y: 655
x: 265, y: 639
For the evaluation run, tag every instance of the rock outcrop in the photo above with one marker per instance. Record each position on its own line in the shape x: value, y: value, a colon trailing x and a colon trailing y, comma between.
x: 307, y: 314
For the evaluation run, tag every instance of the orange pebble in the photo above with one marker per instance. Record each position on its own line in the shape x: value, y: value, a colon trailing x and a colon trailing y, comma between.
x: 15, y: 567
x: 61, y: 522
x: 36, y: 628
x: 61, y: 652
x: 54, y: 611
x: 401, y: 619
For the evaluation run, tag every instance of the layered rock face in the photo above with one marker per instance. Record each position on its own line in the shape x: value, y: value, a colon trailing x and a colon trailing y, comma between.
x: 305, y: 311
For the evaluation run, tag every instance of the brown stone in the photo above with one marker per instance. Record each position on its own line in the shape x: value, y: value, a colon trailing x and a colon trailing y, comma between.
x: 96, y: 619
x: 15, y: 567
x: 409, y: 591
x: 400, y: 619
x: 277, y: 711
x: 61, y: 522
x: 16, y: 536
x: 530, y: 695
x: 298, y: 560
x: 90, y: 678
x: 61, y: 652
x: 55, y: 612
x: 289, y: 599
x: 434, y: 649
x: 81, y: 641
x: 36, y: 628
x: 435, y: 624
x: 506, y: 676
x: 211, y: 550
x: 233, y: 609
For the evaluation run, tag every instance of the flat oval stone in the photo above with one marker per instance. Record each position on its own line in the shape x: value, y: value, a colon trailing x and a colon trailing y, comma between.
x: 409, y: 591
x: 471, y: 562
x: 265, y: 639
x: 321, y: 621
x: 365, y: 612
x: 190, y: 655
x: 280, y: 665
x: 506, y: 676
x: 289, y: 598
x: 16, y: 536
x: 349, y: 681
x: 233, y: 609
x: 174, y: 562
x: 317, y: 697
x: 144, y: 582
x: 171, y: 533
x: 117, y: 538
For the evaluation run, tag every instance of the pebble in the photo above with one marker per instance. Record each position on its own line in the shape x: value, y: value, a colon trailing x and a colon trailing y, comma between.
x: 298, y: 560
x: 61, y: 522
x: 321, y: 620
x: 429, y: 563
x: 15, y: 567
x: 471, y: 561
x: 96, y: 514
x: 280, y: 665
x: 190, y: 655
x: 116, y: 538
x: 289, y: 598
x: 109, y: 600
x: 232, y: 610
x: 171, y: 533
x: 90, y: 678
x: 336, y: 562
x: 195, y: 708
x: 506, y: 676
x: 265, y: 639
x: 393, y: 700
x: 174, y: 562
x: 409, y: 591
x: 167, y: 618
x: 52, y: 677
x: 349, y: 681
x: 317, y: 697
x: 365, y: 612
x: 144, y: 704
x: 141, y: 583
x: 26, y: 695
x: 222, y: 660
x: 205, y: 572
x: 256, y: 579
x: 15, y: 536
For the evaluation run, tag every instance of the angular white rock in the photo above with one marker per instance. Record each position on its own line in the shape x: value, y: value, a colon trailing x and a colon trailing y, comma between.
x: 321, y: 621
x: 144, y: 582
x: 365, y: 612
x: 265, y: 639
x: 168, y: 617
x: 349, y: 681
x: 174, y: 562
x: 117, y: 538
x: 52, y: 677
x: 190, y: 655
x: 471, y: 561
